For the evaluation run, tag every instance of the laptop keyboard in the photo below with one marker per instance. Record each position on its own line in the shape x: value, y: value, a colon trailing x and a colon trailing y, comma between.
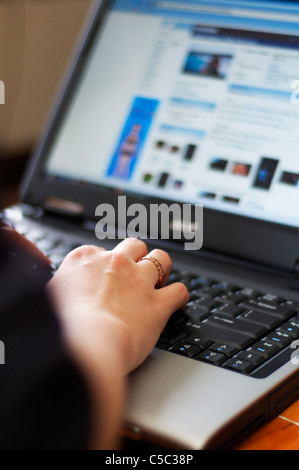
x: 240, y: 329
x: 236, y: 328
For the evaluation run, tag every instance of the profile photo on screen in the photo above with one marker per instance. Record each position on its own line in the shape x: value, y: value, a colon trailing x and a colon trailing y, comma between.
x: 208, y: 65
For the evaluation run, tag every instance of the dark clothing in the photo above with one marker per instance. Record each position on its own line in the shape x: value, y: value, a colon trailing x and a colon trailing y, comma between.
x: 43, y: 401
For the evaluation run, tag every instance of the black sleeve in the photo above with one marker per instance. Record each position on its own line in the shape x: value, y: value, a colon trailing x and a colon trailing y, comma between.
x: 43, y: 400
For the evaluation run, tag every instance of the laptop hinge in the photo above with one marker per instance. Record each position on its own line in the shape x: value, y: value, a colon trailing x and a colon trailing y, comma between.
x: 64, y: 206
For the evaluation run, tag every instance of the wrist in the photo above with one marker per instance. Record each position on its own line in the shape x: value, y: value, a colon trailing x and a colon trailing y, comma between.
x: 98, y: 347
x: 98, y: 337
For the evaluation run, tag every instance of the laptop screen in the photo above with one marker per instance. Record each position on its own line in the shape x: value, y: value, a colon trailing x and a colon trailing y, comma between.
x: 192, y: 101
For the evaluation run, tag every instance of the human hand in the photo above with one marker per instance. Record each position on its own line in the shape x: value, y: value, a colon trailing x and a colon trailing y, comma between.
x: 112, y: 316
x: 106, y: 299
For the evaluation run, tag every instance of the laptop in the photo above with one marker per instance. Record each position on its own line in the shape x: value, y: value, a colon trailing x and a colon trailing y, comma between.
x: 213, y: 86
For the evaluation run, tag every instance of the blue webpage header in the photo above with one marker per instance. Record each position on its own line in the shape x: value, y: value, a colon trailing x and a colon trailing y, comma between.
x: 240, y: 13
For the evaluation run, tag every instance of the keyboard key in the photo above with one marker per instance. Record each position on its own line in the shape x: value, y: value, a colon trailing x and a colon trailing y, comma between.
x: 22, y: 228
x: 197, y: 313
x: 206, y: 302
x: 237, y: 324
x: 35, y: 235
x: 212, y: 357
x: 249, y: 292
x: 266, y: 348
x: 269, y: 321
x: 189, y: 350
x: 224, y: 285
x: 218, y: 334
x: 172, y: 336
x: 173, y: 277
x: 229, y: 309
x: 199, y: 341
x: 280, y: 338
x: 46, y: 246
x: 271, y: 299
x: 198, y: 282
x: 194, y: 327
x: 162, y: 346
x: 223, y: 348
x: 281, y: 311
x: 251, y: 356
x: 292, y: 304
x: 185, y: 281
x: 212, y: 291
x: 176, y: 319
x: 232, y: 297
x: 194, y: 295
x: 240, y: 365
x: 185, y: 274
x: 292, y: 327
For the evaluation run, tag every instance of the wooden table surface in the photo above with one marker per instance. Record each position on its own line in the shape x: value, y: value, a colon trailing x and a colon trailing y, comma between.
x: 280, y: 434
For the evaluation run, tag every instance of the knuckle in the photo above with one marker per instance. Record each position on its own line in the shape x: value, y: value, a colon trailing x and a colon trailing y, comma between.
x: 163, y: 257
x: 82, y: 253
x: 85, y: 250
x: 119, y: 260
x: 140, y: 243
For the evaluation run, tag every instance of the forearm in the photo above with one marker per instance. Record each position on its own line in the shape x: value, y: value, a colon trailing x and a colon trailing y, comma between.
x: 107, y: 388
x: 100, y: 354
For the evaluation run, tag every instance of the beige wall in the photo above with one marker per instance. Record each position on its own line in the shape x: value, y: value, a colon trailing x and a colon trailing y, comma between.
x: 37, y: 38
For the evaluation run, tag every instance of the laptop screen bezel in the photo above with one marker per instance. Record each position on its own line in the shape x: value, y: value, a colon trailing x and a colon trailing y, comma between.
x: 238, y: 236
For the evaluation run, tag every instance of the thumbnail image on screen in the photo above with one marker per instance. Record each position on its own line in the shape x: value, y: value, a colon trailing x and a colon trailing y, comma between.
x: 265, y: 173
x: 208, y: 65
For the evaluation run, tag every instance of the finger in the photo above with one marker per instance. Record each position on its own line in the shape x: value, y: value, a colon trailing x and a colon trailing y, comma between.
x: 133, y: 247
x: 88, y: 249
x: 174, y: 297
x: 152, y: 270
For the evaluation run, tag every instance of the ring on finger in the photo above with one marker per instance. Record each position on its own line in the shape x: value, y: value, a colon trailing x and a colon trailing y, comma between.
x: 158, y: 266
